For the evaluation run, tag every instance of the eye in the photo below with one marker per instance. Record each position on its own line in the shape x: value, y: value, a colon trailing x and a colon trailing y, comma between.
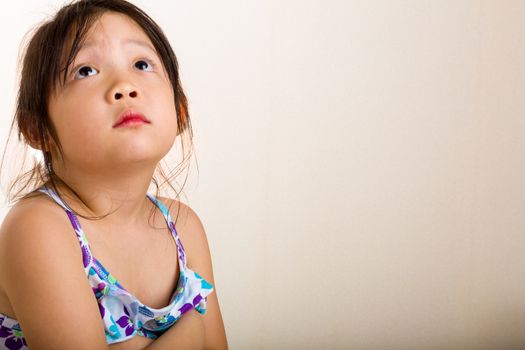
x: 85, y: 71
x: 145, y: 65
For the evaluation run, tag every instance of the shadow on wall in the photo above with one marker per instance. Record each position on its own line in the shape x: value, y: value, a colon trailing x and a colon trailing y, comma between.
x: 501, y: 329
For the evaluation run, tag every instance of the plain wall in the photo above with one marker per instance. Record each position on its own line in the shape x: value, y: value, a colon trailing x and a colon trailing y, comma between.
x: 361, y: 165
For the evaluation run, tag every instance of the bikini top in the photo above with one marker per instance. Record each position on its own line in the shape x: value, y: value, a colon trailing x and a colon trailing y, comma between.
x: 124, y: 316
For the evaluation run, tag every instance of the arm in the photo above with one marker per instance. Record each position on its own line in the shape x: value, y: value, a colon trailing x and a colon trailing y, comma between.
x: 44, y: 279
x: 194, y: 330
x: 195, y: 242
x: 186, y: 334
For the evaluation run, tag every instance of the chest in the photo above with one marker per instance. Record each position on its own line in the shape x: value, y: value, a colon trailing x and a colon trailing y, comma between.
x: 144, y: 262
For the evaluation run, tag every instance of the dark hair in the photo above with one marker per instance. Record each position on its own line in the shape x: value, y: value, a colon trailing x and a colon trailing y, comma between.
x: 45, y: 67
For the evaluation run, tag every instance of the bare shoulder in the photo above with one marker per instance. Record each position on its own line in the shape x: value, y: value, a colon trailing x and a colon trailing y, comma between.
x: 29, y: 211
x: 190, y: 230
x: 43, y: 277
x: 32, y: 222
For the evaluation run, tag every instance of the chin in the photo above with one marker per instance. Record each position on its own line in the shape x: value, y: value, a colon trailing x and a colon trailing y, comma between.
x: 143, y: 154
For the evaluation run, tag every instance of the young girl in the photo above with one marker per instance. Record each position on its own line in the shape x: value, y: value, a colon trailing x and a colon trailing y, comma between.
x: 87, y: 257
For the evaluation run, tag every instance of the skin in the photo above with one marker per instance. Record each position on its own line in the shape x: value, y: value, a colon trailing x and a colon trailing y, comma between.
x: 109, y: 77
x: 118, y: 70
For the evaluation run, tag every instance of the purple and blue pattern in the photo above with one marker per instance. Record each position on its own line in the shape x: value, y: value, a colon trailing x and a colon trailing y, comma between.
x: 115, y: 302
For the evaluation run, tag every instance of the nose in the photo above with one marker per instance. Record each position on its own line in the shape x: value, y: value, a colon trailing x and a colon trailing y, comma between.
x: 119, y: 95
x: 122, y: 90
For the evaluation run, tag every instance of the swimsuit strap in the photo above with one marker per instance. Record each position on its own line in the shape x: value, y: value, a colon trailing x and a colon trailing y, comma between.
x: 51, y: 193
x: 87, y: 256
x: 165, y: 212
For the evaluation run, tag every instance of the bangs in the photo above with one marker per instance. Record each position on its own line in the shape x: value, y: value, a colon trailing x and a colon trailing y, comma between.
x: 72, y: 38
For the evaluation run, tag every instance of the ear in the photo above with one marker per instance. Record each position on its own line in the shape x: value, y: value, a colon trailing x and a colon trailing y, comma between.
x: 183, y: 116
x: 30, y: 136
x: 34, y: 140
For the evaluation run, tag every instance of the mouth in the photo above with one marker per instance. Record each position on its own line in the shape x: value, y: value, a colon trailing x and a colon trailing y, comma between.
x: 130, y: 118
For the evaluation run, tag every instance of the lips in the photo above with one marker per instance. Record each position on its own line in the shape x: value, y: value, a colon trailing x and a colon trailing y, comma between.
x: 130, y: 118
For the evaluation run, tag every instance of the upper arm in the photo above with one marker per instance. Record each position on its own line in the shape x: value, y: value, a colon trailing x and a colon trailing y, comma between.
x: 45, y: 281
x: 193, y: 237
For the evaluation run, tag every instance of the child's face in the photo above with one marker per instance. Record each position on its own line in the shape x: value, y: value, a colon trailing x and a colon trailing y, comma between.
x: 116, y: 71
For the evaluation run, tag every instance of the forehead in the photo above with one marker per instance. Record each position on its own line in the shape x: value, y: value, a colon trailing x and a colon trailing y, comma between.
x: 108, y: 28
x: 115, y: 29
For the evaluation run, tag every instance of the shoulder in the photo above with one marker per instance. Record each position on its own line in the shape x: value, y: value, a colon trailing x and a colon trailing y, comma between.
x: 184, y: 217
x: 35, y: 224
x: 32, y: 219
x: 42, y: 275
x: 190, y: 230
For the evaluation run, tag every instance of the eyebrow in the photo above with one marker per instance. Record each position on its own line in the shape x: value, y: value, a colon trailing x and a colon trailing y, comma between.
x: 136, y: 42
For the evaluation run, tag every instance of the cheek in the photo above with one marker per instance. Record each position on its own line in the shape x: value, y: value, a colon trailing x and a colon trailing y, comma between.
x: 166, y: 109
x: 78, y: 133
x: 76, y: 117
x: 78, y: 127
x: 169, y: 125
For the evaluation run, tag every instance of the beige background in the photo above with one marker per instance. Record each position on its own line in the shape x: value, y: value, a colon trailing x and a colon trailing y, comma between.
x: 361, y: 165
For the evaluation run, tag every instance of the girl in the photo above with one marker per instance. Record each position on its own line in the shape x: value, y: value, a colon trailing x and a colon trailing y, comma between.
x: 87, y: 257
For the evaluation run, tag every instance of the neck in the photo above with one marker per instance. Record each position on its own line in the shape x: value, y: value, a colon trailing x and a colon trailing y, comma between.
x: 121, y: 194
